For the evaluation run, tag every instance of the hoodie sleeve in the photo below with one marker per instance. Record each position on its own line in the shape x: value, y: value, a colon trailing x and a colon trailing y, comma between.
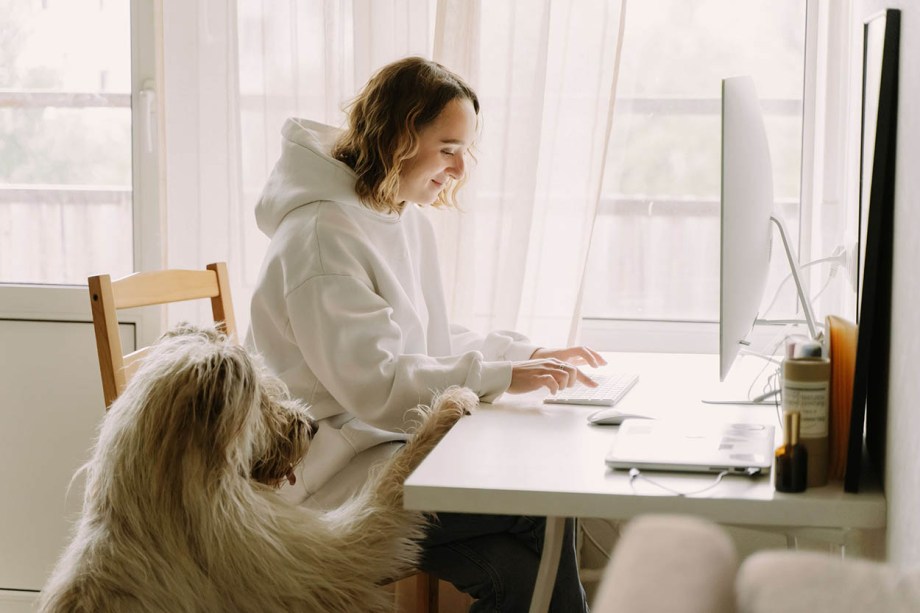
x: 351, y: 343
x: 502, y: 345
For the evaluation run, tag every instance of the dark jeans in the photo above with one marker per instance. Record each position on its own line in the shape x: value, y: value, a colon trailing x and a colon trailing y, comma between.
x: 494, y: 559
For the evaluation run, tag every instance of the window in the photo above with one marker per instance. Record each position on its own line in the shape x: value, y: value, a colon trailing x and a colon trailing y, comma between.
x: 655, y: 251
x: 78, y: 196
x: 65, y: 141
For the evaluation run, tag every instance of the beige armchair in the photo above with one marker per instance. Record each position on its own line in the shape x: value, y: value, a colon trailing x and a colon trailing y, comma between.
x: 679, y: 564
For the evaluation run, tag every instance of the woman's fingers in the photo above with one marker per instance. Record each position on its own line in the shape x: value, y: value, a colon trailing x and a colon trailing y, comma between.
x: 585, y: 379
x: 558, y: 372
x: 550, y: 382
x: 588, y: 356
x: 596, y: 358
x: 553, y: 374
x: 576, y: 355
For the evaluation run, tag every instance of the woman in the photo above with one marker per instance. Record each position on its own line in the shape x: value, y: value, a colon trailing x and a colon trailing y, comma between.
x: 350, y: 312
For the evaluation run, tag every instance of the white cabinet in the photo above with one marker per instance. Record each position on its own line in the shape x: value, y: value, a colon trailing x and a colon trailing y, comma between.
x: 50, y: 407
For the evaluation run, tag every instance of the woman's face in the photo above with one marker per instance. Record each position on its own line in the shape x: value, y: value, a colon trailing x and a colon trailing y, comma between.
x: 442, y: 153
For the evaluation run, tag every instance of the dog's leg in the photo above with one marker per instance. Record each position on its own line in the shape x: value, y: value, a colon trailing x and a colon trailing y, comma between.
x: 382, y: 527
x: 446, y: 409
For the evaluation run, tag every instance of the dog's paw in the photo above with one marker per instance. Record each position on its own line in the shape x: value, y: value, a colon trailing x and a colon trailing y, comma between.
x: 455, y: 402
x: 428, y: 425
x: 446, y: 408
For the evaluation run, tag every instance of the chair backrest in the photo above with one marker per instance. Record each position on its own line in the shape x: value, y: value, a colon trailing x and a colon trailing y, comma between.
x: 145, y: 289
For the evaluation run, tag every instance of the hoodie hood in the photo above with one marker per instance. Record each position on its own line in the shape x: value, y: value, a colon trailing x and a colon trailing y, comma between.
x: 305, y: 173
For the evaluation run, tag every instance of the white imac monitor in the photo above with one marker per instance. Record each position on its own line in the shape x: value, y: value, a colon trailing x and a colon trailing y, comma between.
x: 747, y: 221
x: 747, y: 205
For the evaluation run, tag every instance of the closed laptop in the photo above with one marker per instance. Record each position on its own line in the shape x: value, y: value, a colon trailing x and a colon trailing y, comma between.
x: 742, y: 448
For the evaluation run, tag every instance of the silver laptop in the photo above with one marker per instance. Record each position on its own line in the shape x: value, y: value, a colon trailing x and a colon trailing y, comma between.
x: 712, y: 448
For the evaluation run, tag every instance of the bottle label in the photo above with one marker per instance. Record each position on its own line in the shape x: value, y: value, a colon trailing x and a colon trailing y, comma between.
x: 810, y: 398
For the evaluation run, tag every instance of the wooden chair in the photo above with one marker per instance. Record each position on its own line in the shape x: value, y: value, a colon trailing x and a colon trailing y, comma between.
x: 146, y: 289
x: 168, y: 286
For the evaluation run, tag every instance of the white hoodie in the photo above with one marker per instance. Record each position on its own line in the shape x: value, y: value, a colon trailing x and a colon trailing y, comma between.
x: 349, y: 309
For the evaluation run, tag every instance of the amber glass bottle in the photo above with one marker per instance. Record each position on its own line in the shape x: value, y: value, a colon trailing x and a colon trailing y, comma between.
x: 792, y: 458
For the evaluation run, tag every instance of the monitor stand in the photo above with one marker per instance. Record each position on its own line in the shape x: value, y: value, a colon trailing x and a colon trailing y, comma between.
x: 794, y: 267
x: 769, y: 397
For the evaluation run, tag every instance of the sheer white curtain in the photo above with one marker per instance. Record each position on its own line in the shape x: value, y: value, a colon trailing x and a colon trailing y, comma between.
x: 205, y: 211
x: 545, y: 72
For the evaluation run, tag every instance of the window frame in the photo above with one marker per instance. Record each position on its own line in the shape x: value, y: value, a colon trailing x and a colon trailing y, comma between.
x: 47, y: 302
x: 683, y: 336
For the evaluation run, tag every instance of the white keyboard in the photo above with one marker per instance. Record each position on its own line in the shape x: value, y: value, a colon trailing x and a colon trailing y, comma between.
x: 610, y: 390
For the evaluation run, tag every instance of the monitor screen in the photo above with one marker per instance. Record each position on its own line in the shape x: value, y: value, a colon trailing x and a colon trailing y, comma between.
x: 747, y: 205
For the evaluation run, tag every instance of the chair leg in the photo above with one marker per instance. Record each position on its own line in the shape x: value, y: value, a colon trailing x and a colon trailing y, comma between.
x: 426, y: 593
x: 417, y: 593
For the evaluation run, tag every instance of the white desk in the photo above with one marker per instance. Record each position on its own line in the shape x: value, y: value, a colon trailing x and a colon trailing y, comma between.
x: 520, y: 456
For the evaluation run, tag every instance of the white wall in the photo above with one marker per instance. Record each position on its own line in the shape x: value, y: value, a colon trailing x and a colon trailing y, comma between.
x: 902, y: 478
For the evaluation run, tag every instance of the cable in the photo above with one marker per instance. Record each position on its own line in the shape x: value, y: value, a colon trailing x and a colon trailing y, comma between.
x: 827, y: 284
x: 768, y: 391
x: 769, y: 357
x: 772, y: 387
x: 837, y: 258
x: 776, y: 380
x: 635, y: 473
x: 587, y: 535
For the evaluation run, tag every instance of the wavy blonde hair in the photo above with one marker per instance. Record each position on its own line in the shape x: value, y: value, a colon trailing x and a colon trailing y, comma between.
x: 384, y: 122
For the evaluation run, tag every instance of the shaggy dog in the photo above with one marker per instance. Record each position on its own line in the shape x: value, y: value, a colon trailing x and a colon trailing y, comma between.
x: 181, y: 512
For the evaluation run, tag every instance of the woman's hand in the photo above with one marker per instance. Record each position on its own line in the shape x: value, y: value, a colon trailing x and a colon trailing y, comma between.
x: 554, y: 369
x: 550, y: 373
x: 573, y: 355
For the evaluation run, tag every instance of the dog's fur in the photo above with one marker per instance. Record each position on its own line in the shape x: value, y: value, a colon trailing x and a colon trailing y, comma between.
x: 181, y: 512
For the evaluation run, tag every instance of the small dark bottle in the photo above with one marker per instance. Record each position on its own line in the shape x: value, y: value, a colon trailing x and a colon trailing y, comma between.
x: 792, y: 457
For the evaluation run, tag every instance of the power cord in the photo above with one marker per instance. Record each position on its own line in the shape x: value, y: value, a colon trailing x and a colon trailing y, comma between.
x: 836, y: 260
x: 635, y: 473
x: 771, y: 389
x: 602, y: 550
x: 775, y: 380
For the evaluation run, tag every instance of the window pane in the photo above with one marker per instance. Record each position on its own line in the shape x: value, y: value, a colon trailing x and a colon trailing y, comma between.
x: 65, y: 141
x: 655, y: 253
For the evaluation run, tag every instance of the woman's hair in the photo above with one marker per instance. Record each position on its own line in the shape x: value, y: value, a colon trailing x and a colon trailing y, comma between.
x: 384, y: 122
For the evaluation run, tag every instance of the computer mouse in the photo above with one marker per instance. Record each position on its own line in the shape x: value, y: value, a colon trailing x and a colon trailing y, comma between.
x: 612, y: 417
